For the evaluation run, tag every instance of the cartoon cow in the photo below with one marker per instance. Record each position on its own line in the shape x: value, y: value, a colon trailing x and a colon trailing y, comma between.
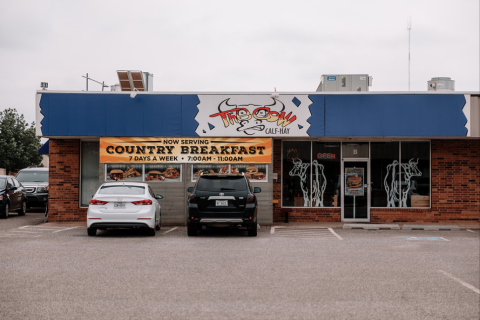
x: 252, y: 122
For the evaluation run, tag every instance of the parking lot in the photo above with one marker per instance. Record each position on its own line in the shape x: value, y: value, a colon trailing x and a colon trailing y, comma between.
x: 57, y: 272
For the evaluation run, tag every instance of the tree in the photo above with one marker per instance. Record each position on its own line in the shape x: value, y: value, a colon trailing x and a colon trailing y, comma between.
x: 18, y: 142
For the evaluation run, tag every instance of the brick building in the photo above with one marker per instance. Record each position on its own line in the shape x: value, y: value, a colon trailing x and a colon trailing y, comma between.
x: 371, y: 157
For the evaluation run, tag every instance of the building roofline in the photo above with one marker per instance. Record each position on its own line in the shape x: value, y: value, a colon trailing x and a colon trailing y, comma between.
x: 262, y: 93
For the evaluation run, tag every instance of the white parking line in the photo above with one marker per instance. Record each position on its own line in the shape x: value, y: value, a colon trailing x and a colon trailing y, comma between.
x: 42, y: 227
x: 23, y: 231
x: 335, y: 234
x: 173, y: 229
x: 469, y: 286
x: 472, y: 231
x: 64, y: 229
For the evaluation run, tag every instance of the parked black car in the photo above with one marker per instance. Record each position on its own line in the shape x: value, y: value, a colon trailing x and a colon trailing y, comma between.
x: 35, y: 181
x: 12, y: 197
x: 222, y: 200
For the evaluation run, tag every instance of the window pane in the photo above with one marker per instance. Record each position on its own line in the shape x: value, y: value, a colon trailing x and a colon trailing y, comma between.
x: 33, y: 176
x: 128, y: 190
x: 385, y: 174
x: 415, y: 178
x: 89, y: 175
x: 355, y: 150
x: 325, y: 174
x: 219, y: 183
x: 296, y: 173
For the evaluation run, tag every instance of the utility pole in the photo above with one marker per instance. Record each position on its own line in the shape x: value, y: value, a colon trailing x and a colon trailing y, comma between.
x: 409, y: 27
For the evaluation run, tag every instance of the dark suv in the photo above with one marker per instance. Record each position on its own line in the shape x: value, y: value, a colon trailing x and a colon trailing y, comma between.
x: 35, y: 181
x: 222, y: 200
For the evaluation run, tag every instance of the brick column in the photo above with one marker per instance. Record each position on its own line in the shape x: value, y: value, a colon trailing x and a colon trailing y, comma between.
x: 64, y: 181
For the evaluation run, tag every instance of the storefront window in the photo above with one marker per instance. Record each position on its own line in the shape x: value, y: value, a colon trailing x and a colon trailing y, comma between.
x: 89, y: 171
x: 385, y: 177
x: 415, y: 177
x: 296, y: 174
x: 325, y: 174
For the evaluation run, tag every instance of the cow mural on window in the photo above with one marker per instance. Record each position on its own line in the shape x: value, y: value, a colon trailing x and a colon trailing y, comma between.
x: 409, y: 170
x: 299, y: 170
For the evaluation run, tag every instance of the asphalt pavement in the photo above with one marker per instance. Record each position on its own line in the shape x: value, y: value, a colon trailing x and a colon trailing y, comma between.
x: 55, y: 271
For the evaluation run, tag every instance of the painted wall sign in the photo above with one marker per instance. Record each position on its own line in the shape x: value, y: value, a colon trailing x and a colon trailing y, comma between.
x: 354, y: 182
x: 253, y: 115
x: 185, y: 150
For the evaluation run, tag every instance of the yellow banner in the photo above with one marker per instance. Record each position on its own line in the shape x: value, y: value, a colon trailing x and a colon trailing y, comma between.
x: 185, y: 150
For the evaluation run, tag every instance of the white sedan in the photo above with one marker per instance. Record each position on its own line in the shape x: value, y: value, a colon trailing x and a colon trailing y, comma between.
x: 124, y: 205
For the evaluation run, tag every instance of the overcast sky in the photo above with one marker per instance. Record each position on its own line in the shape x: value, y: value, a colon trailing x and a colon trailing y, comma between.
x: 234, y: 45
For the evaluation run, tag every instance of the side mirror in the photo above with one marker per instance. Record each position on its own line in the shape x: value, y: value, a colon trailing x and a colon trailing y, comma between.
x: 190, y: 189
x: 159, y: 197
x: 13, y: 188
x: 257, y: 190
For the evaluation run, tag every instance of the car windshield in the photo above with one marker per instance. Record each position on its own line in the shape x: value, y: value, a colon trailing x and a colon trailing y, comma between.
x: 222, y: 184
x: 2, y: 182
x: 123, y: 189
x: 32, y: 176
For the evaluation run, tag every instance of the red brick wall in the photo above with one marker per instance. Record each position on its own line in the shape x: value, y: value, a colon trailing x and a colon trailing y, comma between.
x: 64, y: 184
x: 455, y: 189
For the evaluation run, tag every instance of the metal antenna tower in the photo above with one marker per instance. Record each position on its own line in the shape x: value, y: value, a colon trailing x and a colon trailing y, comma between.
x: 409, y: 27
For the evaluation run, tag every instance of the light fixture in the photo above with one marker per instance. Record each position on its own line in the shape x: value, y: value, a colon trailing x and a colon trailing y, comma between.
x: 134, y: 93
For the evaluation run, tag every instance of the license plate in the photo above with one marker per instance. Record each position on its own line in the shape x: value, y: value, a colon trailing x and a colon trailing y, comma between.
x: 119, y: 205
x: 221, y: 203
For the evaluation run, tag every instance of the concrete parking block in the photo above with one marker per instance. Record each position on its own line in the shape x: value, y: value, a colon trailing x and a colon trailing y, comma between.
x: 430, y: 227
x: 371, y: 226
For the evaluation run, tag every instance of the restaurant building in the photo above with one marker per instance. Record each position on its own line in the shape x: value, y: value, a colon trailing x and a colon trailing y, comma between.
x: 323, y: 156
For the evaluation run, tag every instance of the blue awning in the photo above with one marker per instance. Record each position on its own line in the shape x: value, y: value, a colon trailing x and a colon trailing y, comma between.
x: 44, y: 149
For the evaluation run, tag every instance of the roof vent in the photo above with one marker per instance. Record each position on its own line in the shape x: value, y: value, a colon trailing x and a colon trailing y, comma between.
x: 441, y: 84
x: 345, y: 82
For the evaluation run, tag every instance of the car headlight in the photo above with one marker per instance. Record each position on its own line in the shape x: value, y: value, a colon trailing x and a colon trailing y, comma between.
x: 42, y: 189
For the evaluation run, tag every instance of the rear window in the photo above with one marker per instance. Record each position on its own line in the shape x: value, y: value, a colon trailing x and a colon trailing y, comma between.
x: 32, y: 176
x: 2, y: 182
x: 221, y: 184
x: 130, y: 190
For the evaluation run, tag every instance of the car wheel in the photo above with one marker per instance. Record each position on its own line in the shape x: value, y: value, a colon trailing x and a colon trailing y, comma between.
x: 92, y: 232
x: 191, y: 231
x: 21, y: 212
x: 252, y: 232
x: 7, y: 210
x: 151, y: 232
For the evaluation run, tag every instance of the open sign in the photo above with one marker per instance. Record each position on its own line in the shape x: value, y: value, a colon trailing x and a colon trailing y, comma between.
x: 326, y: 155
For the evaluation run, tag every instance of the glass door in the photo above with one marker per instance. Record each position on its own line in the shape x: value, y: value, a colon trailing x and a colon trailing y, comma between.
x: 355, y: 191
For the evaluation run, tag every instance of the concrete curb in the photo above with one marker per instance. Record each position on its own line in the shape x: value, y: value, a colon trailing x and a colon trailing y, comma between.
x: 430, y: 227
x: 371, y: 226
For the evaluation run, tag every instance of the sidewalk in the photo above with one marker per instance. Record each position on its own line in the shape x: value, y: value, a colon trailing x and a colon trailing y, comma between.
x: 339, y: 225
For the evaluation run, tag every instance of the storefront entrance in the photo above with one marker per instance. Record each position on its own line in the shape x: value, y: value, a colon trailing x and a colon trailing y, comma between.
x: 355, y: 190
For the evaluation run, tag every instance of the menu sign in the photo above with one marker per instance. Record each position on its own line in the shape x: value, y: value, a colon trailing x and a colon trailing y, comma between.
x: 185, y: 150
x: 354, y: 182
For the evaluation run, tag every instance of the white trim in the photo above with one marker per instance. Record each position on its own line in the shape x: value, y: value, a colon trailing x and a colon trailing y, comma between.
x: 269, y: 92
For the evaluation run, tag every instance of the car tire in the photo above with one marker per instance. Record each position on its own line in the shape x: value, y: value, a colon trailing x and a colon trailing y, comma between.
x: 252, y: 231
x: 151, y: 232
x: 192, y: 232
x: 7, y: 210
x: 23, y: 209
x: 92, y: 232
x: 157, y: 227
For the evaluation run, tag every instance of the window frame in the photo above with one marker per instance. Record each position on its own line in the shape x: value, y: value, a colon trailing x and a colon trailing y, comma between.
x: 369, y: 168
